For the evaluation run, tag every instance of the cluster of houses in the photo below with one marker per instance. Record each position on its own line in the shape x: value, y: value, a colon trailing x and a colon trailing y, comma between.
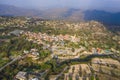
x: 97, y: 51
x: 33, y: 53
x: 70, y: 25
x: 21, y: 75
x: 101, y: 51
x: 39, y: 37
x: 12, y: 22
x: 64, y: 52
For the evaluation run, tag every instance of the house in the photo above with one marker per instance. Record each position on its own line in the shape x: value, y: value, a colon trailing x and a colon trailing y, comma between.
x: 21, y: 75
x: 35, y: 79
x: 33, y: 50
x: 35, y: 54
x: 99, y: 50
x: 25, y: 52
x: 67, y: 37
x: 73, y: 38
x: 94, y: 51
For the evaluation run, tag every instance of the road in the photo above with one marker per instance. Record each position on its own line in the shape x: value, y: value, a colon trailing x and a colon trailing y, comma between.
x: 11, y: 62
x: 61, y: 73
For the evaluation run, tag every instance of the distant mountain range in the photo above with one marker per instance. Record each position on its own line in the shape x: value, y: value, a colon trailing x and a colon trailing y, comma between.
x: 8, y: 10
x: 102, y: 16
x: 63, y: 13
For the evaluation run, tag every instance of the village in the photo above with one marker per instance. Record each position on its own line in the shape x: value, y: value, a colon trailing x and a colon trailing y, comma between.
x: 56, y: 44
x: 57, y: 50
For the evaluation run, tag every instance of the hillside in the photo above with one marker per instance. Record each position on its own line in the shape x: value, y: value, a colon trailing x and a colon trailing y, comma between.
x: 53, y: 47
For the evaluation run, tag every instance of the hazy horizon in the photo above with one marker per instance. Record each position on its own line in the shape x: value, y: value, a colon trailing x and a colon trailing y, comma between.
x: 106, y: 5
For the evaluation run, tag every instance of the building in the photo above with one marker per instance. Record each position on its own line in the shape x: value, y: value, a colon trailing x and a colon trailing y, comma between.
x: 35, y: 79
x: 21, y: 76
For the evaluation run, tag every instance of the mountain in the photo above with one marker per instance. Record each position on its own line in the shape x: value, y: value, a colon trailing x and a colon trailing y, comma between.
x: 102, y: 16
x: 8, y: 10
x: 71, y: 14
x: 63, y: 13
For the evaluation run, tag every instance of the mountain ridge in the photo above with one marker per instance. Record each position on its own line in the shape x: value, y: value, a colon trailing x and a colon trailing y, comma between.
x: 9, y: 10
x: 71, y: 14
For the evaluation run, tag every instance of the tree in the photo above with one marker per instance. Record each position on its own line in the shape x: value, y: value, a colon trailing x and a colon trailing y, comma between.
x: 73, y: 50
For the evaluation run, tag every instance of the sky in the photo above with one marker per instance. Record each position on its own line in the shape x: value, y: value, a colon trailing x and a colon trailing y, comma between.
x: 107, y: 5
